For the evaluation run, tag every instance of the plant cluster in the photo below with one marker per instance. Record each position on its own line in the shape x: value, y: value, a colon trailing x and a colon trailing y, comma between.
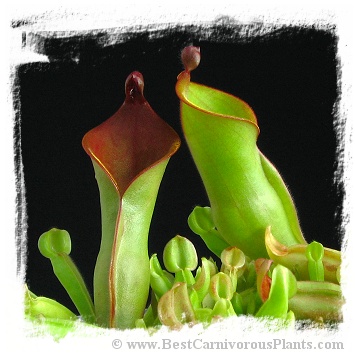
x: 263, y: 265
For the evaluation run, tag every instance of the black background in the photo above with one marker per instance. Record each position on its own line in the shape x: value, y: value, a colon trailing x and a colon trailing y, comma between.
x: 289, y: 77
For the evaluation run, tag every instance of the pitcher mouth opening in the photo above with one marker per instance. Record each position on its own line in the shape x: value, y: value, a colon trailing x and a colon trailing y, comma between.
x: 200, y: 98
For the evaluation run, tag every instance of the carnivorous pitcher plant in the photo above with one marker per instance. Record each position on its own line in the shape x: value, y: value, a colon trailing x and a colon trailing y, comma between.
x: 260, y: 264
